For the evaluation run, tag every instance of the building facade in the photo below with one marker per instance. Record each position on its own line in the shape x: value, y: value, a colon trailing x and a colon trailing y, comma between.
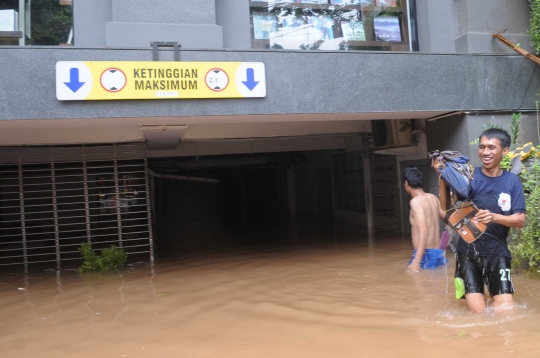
x: 355, y: 91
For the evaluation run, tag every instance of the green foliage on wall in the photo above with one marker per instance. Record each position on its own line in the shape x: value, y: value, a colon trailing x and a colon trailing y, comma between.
x: 515, y: 128
x: 526, y: 244
x: 534, y: 30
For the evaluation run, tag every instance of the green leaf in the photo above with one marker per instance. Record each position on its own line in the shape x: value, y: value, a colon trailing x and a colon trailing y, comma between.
x: 111, y: 258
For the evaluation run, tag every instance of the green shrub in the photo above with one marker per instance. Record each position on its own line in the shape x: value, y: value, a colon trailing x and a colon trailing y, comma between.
x: 111, y: 258
x: 515, y: 128
x: 526, y: 241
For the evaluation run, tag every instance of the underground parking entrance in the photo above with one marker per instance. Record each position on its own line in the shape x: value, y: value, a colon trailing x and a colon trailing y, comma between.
x: 181, y: 189
x: 308, y: 197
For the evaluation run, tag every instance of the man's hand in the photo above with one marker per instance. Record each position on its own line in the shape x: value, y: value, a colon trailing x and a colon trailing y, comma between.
x: 414, y: 266
x: 484, y: 216
x: 514, y: 220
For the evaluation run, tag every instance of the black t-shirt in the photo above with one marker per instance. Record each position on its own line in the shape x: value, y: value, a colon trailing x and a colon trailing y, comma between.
x: 500, y: 195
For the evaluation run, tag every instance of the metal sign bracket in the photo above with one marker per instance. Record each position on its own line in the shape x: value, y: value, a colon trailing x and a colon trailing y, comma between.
x: 156, y: 45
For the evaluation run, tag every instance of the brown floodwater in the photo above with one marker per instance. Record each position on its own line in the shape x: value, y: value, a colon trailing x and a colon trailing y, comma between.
x: 339, y: 296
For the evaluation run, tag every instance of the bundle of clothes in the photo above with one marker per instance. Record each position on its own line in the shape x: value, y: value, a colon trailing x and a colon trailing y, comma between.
x: 457, y: 172
x: 454, y: 168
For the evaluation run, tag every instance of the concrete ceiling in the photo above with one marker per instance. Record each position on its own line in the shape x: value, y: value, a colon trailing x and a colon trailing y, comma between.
x: 191, y: 129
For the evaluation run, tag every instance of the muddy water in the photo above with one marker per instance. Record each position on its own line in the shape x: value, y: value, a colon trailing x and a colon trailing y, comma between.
x: 342, y: 298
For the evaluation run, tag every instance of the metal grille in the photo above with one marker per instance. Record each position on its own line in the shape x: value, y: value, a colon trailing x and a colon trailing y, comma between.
x: 349, y: 187
x: 349, y: 181
x: 385, y: 192
x: 52, y: 199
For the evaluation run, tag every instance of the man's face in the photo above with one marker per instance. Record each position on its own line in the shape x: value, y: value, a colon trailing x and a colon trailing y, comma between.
x: 491, y: 152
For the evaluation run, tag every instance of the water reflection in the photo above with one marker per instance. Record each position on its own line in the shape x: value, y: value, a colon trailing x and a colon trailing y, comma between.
x: 334, y: 294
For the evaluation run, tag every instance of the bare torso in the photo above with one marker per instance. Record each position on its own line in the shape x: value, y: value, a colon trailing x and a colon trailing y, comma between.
x: 425, y: 216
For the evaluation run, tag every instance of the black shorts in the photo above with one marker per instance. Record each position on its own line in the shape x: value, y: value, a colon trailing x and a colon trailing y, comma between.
x: 473, y: 271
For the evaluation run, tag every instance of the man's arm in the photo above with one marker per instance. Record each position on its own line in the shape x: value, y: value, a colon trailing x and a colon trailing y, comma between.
x: 442, y: 214
x: 514, y: 220
x: 422, y: 233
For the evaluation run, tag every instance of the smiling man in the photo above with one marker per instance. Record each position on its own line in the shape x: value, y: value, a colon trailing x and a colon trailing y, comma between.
x: 499, y: 196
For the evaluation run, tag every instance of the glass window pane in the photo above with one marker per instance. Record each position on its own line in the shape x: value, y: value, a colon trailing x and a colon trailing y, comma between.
x: 48, y: 22
x: 330, y: 25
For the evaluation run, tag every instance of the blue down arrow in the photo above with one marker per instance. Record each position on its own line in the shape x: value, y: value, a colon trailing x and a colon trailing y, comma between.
x: 250, y: 83
x: 74, y: 83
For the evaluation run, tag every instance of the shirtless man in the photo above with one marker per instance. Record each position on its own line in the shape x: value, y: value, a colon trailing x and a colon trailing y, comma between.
x: 424, y: 218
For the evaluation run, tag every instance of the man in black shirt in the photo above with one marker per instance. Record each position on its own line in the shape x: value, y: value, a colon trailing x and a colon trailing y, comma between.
x: 499, y: 196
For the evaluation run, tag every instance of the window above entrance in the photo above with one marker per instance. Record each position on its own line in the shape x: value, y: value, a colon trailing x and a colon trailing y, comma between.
x: 370, y: 25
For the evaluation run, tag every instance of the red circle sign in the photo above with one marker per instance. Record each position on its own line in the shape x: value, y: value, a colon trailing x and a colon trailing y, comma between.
x: 217, y: 79
x: 113, y: 80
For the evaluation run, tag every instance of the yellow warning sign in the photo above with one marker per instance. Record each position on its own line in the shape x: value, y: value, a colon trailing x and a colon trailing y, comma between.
x: 90, y: 80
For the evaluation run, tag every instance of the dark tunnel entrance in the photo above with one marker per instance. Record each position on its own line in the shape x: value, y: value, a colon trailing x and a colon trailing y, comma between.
x: 220, y: 201
x: 230, y: 200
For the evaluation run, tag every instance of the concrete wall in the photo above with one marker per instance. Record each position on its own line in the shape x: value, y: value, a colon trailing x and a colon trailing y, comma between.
x: 477, y: 19
x: 493, y: 15
x: 437, y: 25
x: 233, y: 16
x: 297, y: 82
x: 249, y: 147
x: 134, y: 24
x: 89, y: 19
x: 140, y: 35
x: 465, y: 26
x: 165, y: 11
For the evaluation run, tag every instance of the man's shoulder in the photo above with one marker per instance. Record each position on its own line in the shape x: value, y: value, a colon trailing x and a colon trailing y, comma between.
x: 423, y: 199
x: 417, y: 201
x: 511, y: 176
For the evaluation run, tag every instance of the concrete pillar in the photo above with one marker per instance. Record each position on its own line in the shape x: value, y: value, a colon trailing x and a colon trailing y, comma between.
x: 134, y: 24
x: 89, y: 18
x: 465, y: 26
x: 478, y: 19
x: 234, y: 17
x: 437, y: 25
